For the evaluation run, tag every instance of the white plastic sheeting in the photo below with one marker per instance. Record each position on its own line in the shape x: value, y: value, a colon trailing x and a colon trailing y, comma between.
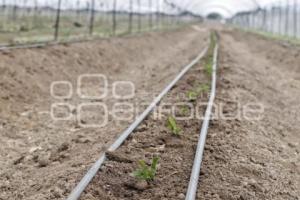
x: 228, y: 8
x: 225, y: 8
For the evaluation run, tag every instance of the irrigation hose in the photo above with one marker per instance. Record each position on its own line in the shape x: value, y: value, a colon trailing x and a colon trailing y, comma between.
x: 193, y: 184
x: 47, y: 43
x: 76, y: 193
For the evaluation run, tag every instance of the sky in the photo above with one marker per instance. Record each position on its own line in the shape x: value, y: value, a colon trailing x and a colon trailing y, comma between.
x: 227, y: 8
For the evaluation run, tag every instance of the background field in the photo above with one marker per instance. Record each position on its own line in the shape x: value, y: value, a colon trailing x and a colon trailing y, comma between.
x: 23, y: 25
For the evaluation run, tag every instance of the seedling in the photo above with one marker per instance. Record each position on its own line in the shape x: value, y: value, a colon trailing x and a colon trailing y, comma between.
x: 146, y: 172
x: 173, y: 126
x: 209, y: 65
x: 213, y: 40
x: 192, y: 96
x: 203, y: 88
x: 184, y: 110
x: 209, y: 59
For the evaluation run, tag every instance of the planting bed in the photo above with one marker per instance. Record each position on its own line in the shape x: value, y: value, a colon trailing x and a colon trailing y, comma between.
x: 174, y: 145
x: 254, y: 158
x: 247, y: 156
x: 44, y: 159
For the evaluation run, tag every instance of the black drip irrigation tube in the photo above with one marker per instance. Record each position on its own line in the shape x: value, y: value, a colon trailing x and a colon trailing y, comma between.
x: 43, y: 44
x: 194, y: 178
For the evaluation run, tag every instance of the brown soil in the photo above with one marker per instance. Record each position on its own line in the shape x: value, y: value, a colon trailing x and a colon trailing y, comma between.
x: 153, y: 138
x: 245, y: 158
x: 255, y: 159
x: 44, y: 159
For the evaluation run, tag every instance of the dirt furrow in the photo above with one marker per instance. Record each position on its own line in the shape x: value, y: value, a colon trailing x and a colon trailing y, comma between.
x: 169, y: 134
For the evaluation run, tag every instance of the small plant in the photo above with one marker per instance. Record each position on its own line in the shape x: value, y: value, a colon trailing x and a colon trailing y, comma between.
x: 184, y: 110
x: 203, y: 88
x: 173, y: 126
x: 209, y: 58
x: 192, y: 96
x: 213, y: 39
x: 146, y: 172
x: 209, y: 65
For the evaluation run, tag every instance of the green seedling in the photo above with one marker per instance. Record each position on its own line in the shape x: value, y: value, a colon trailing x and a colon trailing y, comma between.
x: 209, y: 65
x: 145, y: 172
x: 203, y: 88
x: 184, y: 110
x: 213, y: 40
x: 209, y: 58
x: 173, y: 126
x: 192, y: 96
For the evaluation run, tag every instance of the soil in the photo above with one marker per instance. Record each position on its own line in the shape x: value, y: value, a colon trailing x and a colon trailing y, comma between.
x: 41, y: 158
x: 255, y: 158
x: 153, y: 138
x: 252, y: 155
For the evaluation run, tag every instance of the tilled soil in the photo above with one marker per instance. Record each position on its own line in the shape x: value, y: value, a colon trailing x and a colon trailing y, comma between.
x: 44, y: 159
x: 154, y: 138
x: 252, y: 149
x: 248, y: 158
x: 248, y: 155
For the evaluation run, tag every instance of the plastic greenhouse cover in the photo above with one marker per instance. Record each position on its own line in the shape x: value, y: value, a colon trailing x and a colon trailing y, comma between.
x: 226, y: 8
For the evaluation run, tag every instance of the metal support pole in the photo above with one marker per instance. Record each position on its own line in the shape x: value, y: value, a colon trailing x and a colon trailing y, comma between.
x: 114, y: 17
x: 35, y: 13
x: 253, y: 14
x: 130, y: 16
x: 264, y: 20
x: 139, y: 16
x: 92, y: 17
x: 248, y: 20
x: 57, y: 20
x: 158, y: 15
x: 4, y: 13
x: 150, y: 15
x: 287, y: 17
x: 14, y: 11
x: 244, y: 20
x: 255, y: 19
x: 273, y: 20
x: 78, y: 10
x: 280, y: 19
x: 295, y: 18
